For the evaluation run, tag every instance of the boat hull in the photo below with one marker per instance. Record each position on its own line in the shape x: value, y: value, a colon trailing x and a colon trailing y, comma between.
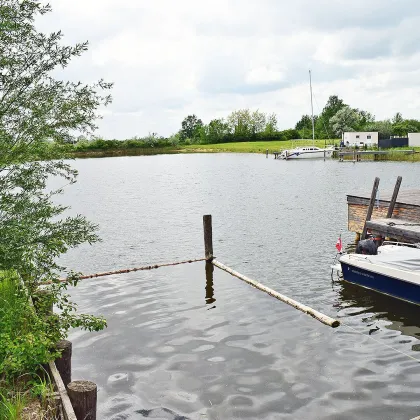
x: 308, y: 155
x: 382, y: 283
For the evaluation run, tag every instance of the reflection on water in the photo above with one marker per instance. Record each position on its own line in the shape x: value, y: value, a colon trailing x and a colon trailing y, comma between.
x: 209, y: 285
x: 402, y: 316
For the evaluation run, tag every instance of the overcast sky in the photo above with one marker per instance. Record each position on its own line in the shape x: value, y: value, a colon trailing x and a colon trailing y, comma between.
x: 169, y: 59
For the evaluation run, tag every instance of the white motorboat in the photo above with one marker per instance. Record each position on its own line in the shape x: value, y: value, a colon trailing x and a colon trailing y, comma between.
x: 307, y: 152
x: 394, y: 271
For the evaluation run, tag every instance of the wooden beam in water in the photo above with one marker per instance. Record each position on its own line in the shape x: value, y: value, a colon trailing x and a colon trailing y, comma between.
x: 370, y: 208
x: 394, y: 197
x: 325, y: 319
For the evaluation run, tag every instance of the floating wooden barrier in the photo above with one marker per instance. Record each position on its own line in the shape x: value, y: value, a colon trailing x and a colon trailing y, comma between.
x: 127, y: 270
x: 297, y: 305
x: 325, y: 319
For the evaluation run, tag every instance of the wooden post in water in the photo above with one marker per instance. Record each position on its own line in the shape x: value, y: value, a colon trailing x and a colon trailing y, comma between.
x: 208, y: 237
x: 266, y: 154
x: 83, y: 397
x: 63, y: 363
x: 370, y: 208
x: 394, y: 198
x: 324, y: 155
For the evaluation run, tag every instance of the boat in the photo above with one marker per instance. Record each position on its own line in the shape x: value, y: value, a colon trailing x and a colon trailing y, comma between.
x: 394, y: 270
x: 308, y: 152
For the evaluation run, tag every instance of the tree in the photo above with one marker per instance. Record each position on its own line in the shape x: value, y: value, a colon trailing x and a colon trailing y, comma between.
x: 239, y: 123
x: 271, y: 124
x: 384, y: 128
x: 323, y: 127
x: 35, y: 110
x: 346, y: 119
x: 365, y: 118
x: 190, y: 127
x: 246, y: 124
x: 216, y: 131
x: 398, y: 118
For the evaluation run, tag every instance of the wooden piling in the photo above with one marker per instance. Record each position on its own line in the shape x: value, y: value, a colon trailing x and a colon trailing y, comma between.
x: 370, y: 208
x: 266, y: 153
x: 63, y: 363
x: 83, y: 397
x: 208, y: 237
x: 301, y: 307
x: 394, y: 197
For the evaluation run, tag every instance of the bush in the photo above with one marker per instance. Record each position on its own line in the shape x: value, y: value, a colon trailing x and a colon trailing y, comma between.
x: 24, y: 338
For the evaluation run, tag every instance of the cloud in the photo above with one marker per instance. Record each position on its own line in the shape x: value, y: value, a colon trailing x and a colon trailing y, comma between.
x: 170, y: 59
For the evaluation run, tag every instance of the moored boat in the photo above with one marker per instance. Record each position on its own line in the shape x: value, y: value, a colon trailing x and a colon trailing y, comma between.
x: 394, y: 270
x: 307, y: 152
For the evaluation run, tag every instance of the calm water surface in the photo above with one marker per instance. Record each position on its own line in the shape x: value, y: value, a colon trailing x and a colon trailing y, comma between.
x: 183, y: 346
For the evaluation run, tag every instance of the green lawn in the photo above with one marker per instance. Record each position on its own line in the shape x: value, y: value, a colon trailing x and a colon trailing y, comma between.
x: 255, y: 147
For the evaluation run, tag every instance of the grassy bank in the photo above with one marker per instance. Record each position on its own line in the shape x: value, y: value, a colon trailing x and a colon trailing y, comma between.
x: 24, y: 346
x: 239, y: 147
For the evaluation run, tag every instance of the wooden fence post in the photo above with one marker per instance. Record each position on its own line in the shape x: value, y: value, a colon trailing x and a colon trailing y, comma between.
x: 208, y: 237
x: 83, y: 397
x: 370, y: 208
x: 63, y: 363
x: 394, y: 198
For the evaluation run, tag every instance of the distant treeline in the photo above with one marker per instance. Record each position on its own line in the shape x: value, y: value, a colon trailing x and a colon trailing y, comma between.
x: 245, y: 126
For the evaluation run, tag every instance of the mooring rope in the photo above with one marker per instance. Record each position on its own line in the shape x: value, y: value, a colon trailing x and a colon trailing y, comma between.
x: 127, y: 270
x: 380, y: 342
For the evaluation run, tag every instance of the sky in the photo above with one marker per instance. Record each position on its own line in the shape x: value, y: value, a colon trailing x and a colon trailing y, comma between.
x: 169, y: 59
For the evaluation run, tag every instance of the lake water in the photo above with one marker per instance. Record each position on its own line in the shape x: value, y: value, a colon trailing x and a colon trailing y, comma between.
x: 180, y: 346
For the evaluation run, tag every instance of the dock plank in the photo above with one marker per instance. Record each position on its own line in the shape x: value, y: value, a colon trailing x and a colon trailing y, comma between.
x: 396, y: 228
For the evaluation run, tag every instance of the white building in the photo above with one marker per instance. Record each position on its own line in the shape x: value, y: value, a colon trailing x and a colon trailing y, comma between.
x: 360, y: 138
x: 414, y: 139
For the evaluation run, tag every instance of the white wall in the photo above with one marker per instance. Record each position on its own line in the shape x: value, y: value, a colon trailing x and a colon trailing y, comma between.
x: 414, y: 139
x: 364, y: 137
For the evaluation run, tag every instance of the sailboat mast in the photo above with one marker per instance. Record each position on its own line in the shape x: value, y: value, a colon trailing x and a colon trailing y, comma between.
x: 312, y: 108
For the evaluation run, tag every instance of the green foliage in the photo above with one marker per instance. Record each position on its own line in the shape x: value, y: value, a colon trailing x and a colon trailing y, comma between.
x: 190, y: 128
x: 346, y: 119
x: 25, y: 341
x: 38, y: 115
x: 323, y: 127
x: 11, y: 404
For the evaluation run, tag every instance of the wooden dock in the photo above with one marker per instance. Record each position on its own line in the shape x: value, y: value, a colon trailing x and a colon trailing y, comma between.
x: 356, y: 155
x: 404, y: 223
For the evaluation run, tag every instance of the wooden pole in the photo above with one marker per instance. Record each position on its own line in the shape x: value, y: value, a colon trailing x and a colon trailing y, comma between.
x: 208, y: 237
x: 266, y: 153
x: 306, y: 309
x: 394, y: 198
x: 83, y: 397
x: 63, y: 363
x: 370, y: 208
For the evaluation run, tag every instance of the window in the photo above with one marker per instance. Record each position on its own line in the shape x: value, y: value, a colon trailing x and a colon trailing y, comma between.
x: 369, y: 137
x: 357, y: 137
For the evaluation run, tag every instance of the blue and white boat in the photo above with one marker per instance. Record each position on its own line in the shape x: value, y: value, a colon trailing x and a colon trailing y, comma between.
x: 394, y: 271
